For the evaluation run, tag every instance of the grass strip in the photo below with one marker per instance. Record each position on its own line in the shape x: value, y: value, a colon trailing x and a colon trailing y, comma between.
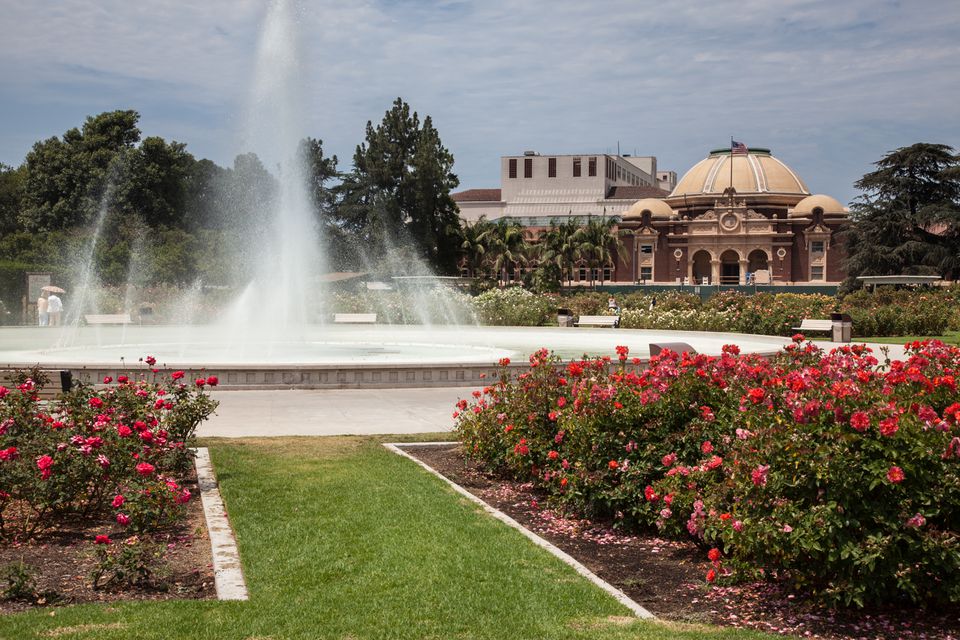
x: 342, y: 539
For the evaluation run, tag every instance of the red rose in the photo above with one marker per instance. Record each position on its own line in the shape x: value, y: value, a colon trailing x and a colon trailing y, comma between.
x: 102, y: 539
x: 145, y: 469
x: 176, y: 375
x: 895, y: 475
x: 213, y: 381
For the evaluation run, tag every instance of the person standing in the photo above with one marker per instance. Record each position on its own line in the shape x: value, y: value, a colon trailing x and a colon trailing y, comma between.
x: 43, y: 318
x: 54, y: 307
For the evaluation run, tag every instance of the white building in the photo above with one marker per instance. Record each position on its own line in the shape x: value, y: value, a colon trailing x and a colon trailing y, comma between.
x: 535, y: 188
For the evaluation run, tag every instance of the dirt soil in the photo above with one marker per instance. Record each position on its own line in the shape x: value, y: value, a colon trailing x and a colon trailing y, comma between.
x: 61, y: 561
x: 668, y: 577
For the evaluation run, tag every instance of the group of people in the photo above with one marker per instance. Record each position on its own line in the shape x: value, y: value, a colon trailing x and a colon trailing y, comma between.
x: 49, y: 308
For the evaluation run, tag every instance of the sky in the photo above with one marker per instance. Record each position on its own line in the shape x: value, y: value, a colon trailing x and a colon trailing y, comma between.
x: 828, y: 86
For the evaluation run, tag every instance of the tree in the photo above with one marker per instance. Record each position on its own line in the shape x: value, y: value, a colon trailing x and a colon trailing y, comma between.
x: 399, y: 189
x: 476, y: 241
x: 153, y: 182
x: 11, y: 194
x: 559, y: 247
x: 908, y: 219
x: 597, y: 243
x: 508, y: 247
x: 67, y: 179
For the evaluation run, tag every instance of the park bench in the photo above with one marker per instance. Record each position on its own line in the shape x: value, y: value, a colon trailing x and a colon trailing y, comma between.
x: 60, y: 382
x: 811, y: 324
x: 355, y: 318
x: 598, y: 321
x: 108, y: 318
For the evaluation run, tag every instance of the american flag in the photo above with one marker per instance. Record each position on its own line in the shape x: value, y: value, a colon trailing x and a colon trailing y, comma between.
x: 737, y: 147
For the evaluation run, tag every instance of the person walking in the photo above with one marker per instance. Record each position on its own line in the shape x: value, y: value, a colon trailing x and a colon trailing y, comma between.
x: 43, y: 318
x: 54, y: 308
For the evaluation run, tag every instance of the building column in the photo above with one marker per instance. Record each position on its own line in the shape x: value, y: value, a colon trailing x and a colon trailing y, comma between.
x: 744, y: 265
x: 715, y: 271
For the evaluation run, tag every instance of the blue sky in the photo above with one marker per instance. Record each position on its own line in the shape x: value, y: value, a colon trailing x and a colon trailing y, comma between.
x: 828, y: 86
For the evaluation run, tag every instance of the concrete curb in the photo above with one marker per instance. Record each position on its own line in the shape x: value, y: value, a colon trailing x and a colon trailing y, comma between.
x: 620, y: 596
x: 228, y: 573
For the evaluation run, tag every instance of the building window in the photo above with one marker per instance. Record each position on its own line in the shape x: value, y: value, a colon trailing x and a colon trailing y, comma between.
x: 576, y: 167
x: 592, y: 167
x: 552, y: 168
x: 528, y: 167
x: 646, y: 249
x: 464, y: 272
x: 816, y: 272
x: 582, y: 274
x: 816, y: 246
x: 513, y: 167
x: 646, y: 273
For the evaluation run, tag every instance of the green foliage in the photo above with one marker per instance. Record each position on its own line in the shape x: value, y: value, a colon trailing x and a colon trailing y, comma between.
x: 133, y: 562
x: 399, y: 189
x: 908, y: 220
x: 822, y: 470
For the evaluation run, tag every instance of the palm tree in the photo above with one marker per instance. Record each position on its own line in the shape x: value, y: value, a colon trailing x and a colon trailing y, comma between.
x: 598, y: 242
x: 508, y: 248
x: 558, y: 246
x: 475, y: 244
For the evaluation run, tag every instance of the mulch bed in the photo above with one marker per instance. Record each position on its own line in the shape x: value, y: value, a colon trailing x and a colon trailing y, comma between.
x: 61, y: 561
x: 667, y: 577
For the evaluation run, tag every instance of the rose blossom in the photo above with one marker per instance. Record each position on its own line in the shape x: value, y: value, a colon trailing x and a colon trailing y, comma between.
x: 895, y: 475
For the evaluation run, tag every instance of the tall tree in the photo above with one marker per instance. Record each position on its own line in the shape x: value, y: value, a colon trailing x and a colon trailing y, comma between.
x: 598, y: 243
x: 399, y: 188
x: 11, y: 194
x: 908, y: 219
x: 66, y: 179
x: 153, y: 182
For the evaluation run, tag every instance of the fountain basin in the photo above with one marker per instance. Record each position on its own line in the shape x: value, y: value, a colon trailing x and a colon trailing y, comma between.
x: 337, y: 356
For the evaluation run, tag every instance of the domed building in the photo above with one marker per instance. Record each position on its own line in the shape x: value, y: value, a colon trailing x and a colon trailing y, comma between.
x: 732, y: 218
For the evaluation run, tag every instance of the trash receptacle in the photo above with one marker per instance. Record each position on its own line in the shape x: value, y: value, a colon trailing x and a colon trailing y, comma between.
x: 564, y: 318
x: 842, y: 327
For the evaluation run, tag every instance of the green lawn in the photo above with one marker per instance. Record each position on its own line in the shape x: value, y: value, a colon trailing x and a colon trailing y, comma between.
x: 951, y: 337
x: 342, y: 539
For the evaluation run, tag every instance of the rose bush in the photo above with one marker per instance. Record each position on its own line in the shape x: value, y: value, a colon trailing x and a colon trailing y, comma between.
x: 819, y: 469
x: 75, y: 456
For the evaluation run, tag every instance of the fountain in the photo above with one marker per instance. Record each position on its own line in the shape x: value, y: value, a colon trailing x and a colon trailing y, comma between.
x: 265, y: 340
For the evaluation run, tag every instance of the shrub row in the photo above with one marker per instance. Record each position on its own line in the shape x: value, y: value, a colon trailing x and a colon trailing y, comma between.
x: 825, y: 471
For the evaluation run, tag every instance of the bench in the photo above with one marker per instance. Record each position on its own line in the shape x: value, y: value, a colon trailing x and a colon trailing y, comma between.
x: 355, y: 318
x: 809, y: 324
x: 60, y: 382
x: 108, y: 318
x: 598, y: 321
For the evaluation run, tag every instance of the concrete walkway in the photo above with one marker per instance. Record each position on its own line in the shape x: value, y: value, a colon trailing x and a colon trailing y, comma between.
x: 330, y: 412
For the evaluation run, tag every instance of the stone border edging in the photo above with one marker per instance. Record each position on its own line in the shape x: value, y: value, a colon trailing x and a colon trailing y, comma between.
x: 619, y: 595
x: 227, y: 571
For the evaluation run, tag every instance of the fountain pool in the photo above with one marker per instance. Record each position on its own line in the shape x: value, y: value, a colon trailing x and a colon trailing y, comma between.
x: 339, y: 356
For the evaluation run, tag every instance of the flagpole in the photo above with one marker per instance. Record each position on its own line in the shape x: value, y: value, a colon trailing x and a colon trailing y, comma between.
x: 731, y: 162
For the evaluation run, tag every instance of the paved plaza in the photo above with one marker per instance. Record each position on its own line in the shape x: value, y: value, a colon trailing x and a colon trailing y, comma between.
x: 329, y: 412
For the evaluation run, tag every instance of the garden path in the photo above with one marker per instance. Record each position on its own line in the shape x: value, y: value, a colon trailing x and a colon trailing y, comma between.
x: 330, y: 412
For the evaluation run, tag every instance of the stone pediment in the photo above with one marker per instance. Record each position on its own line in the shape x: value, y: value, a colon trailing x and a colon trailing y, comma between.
x: 817, y: 229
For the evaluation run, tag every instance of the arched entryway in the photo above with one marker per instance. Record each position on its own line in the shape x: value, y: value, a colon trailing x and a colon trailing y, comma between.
x: 701, y: 267
x: 758, y: 261
x: 730, y: 267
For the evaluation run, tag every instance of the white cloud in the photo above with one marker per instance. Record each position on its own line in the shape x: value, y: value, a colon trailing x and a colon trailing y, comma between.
x: 806, y: 77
